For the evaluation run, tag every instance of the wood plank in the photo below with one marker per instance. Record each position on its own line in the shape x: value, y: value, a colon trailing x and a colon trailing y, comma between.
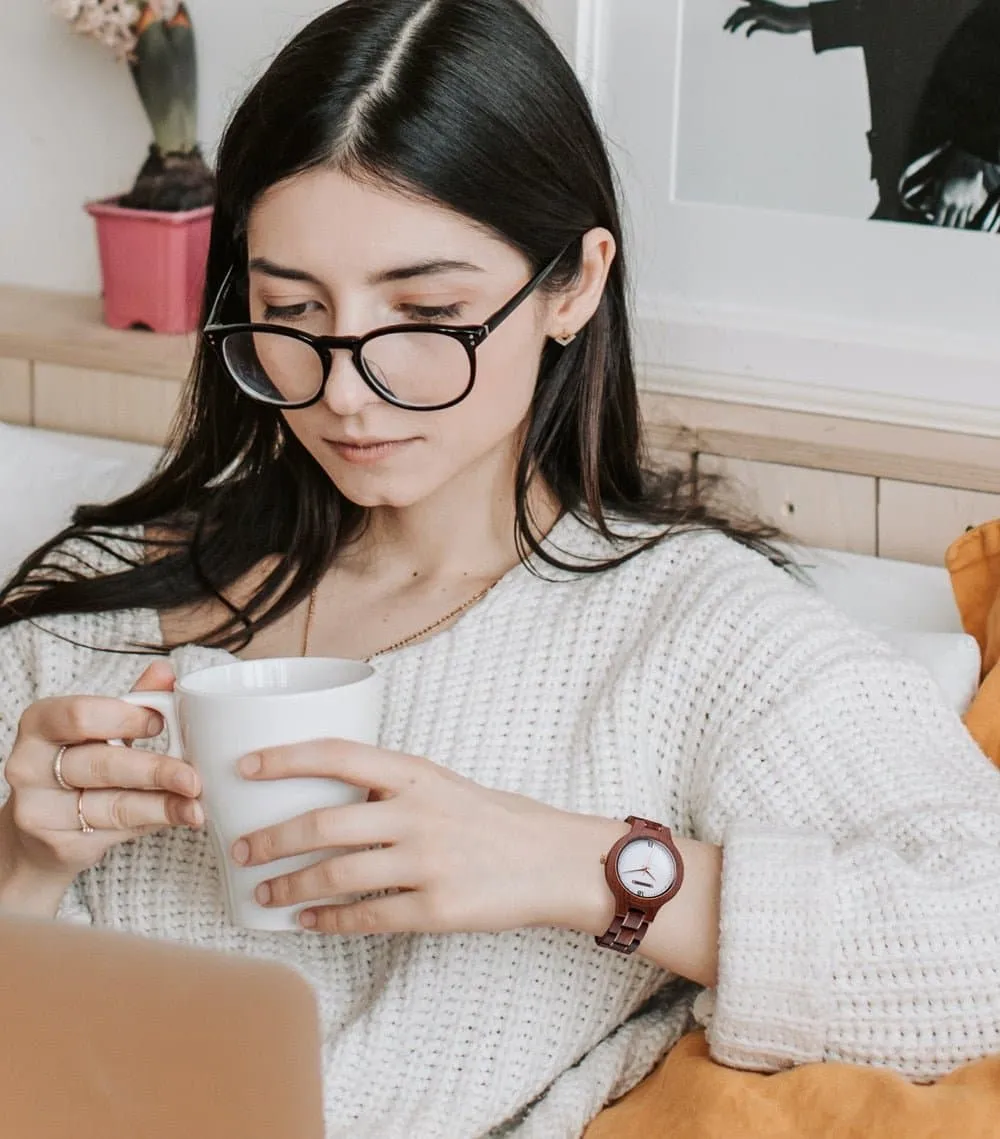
x: 667, y: 458
x: 818, y: 508
x: 15, y: 391
x: 66, y: 328
x: 917, y: 523
x: 110, y: 404
x: 803, y: 439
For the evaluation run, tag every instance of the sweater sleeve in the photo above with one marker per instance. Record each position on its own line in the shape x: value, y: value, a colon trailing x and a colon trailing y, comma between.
x: 19, y: 687
x: 860, y: 827
x: 57, y: 656
x: 835, y: 24
x: 17, y: 691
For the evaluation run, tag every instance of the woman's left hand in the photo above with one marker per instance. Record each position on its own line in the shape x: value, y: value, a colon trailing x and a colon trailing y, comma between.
x: 456, y: 856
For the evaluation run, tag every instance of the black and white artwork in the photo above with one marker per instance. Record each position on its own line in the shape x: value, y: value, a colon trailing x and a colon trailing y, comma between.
x: 882, y: 109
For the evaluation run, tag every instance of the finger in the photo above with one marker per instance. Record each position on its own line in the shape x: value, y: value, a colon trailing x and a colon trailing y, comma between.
x: 133, y: 810
x: 101, y: 765
x: 356, y: 824
x: 395, y: 913
x: 79, y: 719
x: 362, y: 872
x: 359, y: 764
x: 159, y: 677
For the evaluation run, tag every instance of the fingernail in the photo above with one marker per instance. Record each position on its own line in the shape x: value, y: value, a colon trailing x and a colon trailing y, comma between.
x: 194, y: 814
x: 307, y: 919
x: 154, y: 725
x: 250, y: 765
x: 241, y: 851
x: 263, y: 893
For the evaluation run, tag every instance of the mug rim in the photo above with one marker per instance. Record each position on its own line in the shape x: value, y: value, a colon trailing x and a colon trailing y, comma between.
x: 184, y: 687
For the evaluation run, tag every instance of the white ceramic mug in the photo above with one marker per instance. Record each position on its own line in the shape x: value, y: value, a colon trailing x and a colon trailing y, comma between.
x: 217, y: 715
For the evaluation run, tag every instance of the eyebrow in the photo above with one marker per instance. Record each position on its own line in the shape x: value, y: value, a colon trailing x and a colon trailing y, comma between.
x: 401, y: 273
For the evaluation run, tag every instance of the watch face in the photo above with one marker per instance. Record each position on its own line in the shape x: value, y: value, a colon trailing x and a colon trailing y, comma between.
x: 646, y: 868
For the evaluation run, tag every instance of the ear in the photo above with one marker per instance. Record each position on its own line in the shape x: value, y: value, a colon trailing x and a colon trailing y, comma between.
x: 571, y: 309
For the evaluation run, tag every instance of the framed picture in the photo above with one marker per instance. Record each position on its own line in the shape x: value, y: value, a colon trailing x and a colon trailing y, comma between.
x: 813, y: 207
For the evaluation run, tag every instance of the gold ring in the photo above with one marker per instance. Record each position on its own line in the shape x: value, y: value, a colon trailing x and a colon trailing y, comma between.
x: 57, y: 769
x: 84, y: 825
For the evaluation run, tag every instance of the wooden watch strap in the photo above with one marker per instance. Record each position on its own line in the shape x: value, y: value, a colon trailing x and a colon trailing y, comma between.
x: 625, y: 933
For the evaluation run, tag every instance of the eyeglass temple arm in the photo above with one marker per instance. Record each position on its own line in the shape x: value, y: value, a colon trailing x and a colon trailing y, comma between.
x: 220, y: 296
x: 501, y: 314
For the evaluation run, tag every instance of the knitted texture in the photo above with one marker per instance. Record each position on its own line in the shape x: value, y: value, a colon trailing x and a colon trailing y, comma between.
x: 696, y: 685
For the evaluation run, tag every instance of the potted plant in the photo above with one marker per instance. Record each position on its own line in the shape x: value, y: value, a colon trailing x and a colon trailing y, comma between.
x: 153, y: 240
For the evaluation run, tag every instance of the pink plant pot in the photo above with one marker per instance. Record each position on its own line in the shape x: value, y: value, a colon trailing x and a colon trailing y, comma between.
x: 153, y: 265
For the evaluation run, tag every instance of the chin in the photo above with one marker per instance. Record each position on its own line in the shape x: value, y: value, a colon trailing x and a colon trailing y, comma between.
x: 369, y: 501
x: 371, y: 491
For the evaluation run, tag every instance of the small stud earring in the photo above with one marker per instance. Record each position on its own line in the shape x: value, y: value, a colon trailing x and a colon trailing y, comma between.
x: 566, y: 338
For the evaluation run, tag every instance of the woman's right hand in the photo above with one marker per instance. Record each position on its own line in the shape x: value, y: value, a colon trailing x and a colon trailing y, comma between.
x: 126, y: 792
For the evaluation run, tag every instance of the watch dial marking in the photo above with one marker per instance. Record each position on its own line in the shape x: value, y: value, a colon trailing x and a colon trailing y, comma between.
x: 646, y: 868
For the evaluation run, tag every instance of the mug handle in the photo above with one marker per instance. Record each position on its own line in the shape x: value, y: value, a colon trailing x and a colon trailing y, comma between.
x: 165, y: 703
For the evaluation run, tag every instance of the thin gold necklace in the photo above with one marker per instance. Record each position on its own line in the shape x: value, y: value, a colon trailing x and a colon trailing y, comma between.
x: 406, y: 640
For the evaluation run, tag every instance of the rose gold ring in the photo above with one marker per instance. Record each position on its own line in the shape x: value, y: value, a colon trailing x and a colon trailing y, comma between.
x: 84, y: 825
x: 57, y: 769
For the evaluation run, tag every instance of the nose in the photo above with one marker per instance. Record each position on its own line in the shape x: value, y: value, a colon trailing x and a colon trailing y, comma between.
x: 346, y: 392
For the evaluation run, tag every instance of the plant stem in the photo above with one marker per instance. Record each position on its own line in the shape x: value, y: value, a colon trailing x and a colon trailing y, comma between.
x: 164, y: 67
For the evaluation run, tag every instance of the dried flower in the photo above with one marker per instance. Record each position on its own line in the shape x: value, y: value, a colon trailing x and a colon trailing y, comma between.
x: 111, y: 22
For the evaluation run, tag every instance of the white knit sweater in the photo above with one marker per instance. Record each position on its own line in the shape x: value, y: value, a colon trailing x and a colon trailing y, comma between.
x: 696, y: 685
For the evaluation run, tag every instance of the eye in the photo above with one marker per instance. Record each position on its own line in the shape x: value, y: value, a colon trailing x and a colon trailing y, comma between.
x: 433, y: 314
x: 289, y: 313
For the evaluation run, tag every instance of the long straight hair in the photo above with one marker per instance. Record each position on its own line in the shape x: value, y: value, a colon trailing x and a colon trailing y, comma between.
x: 463, y: 103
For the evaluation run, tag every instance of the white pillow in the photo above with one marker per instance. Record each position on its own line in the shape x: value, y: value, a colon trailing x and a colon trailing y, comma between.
x: 884, y: 593
x: 953, y: 659
x: 910, y: 606
x: 44, y: 475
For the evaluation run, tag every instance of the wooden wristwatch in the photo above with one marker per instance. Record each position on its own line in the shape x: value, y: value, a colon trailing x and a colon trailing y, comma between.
x: 644, y: 870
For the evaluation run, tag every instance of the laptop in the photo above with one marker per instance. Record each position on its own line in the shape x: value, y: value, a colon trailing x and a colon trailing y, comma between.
x: 111, y: 1036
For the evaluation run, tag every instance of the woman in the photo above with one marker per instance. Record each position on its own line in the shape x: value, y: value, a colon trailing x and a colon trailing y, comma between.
x: 565, y: 643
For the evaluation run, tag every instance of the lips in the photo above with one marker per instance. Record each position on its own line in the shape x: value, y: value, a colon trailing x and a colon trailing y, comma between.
x: 367, y: 450
x: 364, y: 442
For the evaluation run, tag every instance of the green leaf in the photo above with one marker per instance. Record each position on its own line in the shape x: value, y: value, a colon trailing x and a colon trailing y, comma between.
x: 165, y: 71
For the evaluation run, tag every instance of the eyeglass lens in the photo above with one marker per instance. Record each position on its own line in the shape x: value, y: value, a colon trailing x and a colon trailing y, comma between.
x: 418, y: 368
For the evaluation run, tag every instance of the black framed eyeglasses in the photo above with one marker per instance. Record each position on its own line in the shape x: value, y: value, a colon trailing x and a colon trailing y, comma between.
x: 419, y: 367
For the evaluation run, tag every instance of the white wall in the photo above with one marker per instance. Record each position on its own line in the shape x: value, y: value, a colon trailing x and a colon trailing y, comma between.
x: 766, y: 122
x: 72, y: 128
